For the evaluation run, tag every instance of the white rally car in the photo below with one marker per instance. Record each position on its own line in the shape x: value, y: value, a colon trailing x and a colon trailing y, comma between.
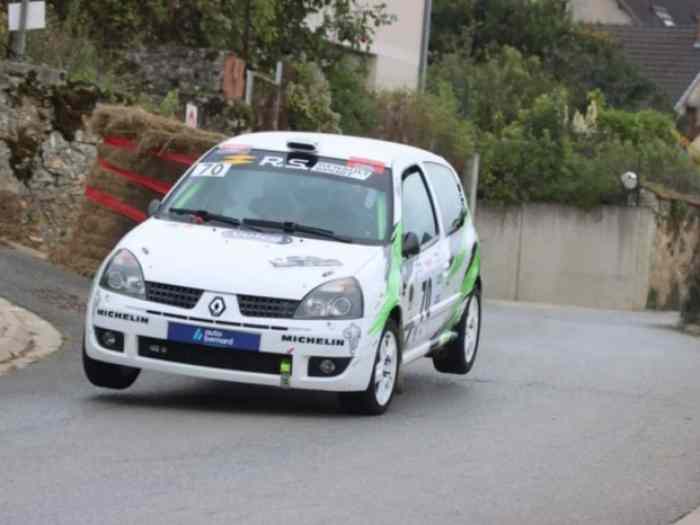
x: 304, y: 261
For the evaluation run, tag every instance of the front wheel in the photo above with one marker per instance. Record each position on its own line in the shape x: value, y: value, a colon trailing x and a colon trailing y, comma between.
x: 382, y: 385
x: 107, y: 375
x: 459, y: 356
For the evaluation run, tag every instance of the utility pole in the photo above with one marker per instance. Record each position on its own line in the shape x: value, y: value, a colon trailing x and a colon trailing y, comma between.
x: 18, y: 39
x: 425, y: 44
x: 246, y: 33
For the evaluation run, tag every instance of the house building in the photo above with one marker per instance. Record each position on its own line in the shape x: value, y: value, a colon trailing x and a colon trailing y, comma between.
x: 397, y: 51
x: 661, y: 13
x: 668, y: 56
x: 646, y: 13
x: 599, y: 11
x: 662, y: 38
x: 396, y: 57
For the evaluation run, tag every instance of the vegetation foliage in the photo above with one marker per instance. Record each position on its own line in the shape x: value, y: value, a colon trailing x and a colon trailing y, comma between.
x: 552, y: 106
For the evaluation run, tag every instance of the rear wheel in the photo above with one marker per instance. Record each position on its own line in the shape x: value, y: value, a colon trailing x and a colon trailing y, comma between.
x: 382, y: 385
x: 107, y: 375
x: 459, y: 356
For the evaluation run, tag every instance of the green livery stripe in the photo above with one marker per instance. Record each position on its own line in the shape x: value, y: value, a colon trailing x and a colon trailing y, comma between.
x: 456, y: 264
x: 468, y: 284
x: 472, y: 273
x: 394, y: 284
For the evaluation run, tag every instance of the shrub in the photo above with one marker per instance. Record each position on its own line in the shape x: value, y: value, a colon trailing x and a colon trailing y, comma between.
x: 351, y: 98
x: 428, y: 120
x: 170, y: 105
x: 492, y: 93
x: 309, y: 101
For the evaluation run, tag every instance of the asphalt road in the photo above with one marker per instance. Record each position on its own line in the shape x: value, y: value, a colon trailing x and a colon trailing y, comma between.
x: 571, y: 416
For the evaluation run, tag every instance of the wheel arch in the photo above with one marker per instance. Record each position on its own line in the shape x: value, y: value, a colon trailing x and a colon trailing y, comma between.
x: 397, y: 316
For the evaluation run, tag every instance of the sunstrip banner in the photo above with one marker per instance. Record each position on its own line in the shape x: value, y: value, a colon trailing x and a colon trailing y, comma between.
x: 374, y: 165
x: 114, y: 204
x: 141, y: 180
x: 130, y: 145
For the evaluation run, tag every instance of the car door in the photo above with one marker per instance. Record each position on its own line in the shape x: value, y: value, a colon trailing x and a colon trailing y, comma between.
x: 458, y: 240
x: 419, y: 270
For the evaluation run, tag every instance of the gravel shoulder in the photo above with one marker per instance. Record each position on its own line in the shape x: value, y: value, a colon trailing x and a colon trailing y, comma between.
x: 24, y: 337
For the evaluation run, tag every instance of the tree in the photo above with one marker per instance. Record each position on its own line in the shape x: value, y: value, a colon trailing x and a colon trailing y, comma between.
x: 267, y: 29
x: 578, y: 56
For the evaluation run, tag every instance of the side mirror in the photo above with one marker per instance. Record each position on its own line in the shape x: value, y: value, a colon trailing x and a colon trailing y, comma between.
x: 411, y: 245
x: 153, y: 207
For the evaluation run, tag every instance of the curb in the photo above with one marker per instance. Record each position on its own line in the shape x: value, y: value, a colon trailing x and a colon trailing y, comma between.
x: 24, y: 338
x: 692, y: 329
x: 690, y: 519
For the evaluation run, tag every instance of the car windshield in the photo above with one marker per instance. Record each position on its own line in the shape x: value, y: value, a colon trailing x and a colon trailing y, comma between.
x: 302, y: 193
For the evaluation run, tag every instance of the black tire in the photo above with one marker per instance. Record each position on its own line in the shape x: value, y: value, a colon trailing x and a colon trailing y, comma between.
x: 366, y: 402
x: 107, y: 375
x: 452, y: 358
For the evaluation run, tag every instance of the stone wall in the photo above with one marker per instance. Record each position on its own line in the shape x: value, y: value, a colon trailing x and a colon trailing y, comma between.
x: 158, y: 71
x: 45, y: 154
x: 676, y: 254
x: 197, y: 76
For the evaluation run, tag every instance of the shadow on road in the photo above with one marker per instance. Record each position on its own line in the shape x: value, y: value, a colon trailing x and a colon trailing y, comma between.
x: 420, y: 392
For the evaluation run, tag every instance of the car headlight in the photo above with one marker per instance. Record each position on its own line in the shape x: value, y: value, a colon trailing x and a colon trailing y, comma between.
x: 123, y: 275
x: 340, y: 299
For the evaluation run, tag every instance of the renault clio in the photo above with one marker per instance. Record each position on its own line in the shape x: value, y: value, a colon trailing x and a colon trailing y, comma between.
x: 303, y: 261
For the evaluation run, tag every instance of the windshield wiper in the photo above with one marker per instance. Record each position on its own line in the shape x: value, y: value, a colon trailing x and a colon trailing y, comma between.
x: 293, y: 227
x: 206, y: 216
x: 215, y: 217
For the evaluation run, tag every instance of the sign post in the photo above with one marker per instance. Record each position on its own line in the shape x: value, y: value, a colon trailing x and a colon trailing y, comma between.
x: 192, y: 116
x: 23, y: 17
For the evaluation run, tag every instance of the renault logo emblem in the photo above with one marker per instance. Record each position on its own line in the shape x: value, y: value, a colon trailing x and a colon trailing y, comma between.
x: 217, y: 307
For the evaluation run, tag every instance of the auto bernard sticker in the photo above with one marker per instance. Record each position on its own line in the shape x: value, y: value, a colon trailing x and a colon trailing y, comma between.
x: 184, y: 333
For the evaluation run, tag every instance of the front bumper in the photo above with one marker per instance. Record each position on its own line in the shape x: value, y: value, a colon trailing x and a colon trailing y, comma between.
x: 231, y: 347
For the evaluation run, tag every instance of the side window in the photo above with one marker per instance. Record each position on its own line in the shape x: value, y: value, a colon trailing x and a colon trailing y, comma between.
x: 418, y: 212
x: 449, y: 195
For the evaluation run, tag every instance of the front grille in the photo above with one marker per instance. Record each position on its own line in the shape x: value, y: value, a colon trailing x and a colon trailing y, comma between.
x: 255, y: 306
x: 172, y: 295
x: 222, y: 358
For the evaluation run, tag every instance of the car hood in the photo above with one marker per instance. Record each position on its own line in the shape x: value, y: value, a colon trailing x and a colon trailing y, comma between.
x: 232, y: 260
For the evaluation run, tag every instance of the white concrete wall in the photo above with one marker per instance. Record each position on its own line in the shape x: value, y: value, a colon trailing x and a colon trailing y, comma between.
x: 561, y: 255
x: 603, y: 11
x: 397, y: 47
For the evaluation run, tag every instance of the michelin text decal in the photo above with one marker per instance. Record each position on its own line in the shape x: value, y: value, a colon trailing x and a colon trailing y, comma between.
x: 123, y: 317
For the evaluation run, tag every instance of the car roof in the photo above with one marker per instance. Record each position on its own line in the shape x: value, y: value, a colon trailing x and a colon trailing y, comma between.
x: 337, y: 146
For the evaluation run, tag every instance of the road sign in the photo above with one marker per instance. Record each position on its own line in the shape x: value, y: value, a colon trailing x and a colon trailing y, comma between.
x: 36, y: 15
x: 192, y: 116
